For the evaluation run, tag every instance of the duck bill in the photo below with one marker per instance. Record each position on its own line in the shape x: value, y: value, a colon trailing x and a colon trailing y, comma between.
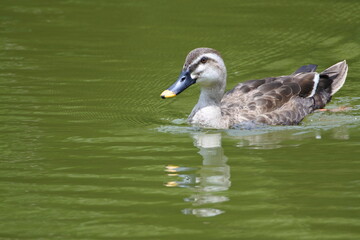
x: 182, y: 83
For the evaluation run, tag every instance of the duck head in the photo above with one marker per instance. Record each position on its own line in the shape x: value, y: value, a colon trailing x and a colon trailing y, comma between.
x: 203, y: 66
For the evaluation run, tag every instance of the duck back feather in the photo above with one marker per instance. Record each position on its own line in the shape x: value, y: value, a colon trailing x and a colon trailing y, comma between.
x: 283, y: 100
x: 306, y: 68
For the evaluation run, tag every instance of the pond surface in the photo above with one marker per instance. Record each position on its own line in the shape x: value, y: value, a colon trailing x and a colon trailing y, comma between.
x: 88, y: 150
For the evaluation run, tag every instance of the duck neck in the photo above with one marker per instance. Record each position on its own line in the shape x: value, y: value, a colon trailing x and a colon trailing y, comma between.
x: 207, y: 112
x: 210, y: 96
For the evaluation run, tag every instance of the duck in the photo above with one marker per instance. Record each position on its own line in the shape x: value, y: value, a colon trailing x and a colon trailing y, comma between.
x: 282, y: 100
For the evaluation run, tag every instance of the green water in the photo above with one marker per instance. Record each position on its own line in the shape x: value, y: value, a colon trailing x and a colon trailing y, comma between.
x: 88, y: 150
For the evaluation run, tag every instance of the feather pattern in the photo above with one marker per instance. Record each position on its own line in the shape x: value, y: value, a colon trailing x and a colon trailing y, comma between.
x: 283, y: 100
x: 279, y: 100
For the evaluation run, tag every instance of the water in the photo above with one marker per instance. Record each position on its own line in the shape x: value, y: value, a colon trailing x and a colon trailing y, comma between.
x: 90, y: 151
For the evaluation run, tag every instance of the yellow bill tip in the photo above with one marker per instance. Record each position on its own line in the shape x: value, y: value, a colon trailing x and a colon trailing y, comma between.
x: 171, y: 184
x: 167, y: 94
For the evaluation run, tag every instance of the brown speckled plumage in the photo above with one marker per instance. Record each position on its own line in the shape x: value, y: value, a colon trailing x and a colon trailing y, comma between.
x: 280, y: 100
x: 273, y: 101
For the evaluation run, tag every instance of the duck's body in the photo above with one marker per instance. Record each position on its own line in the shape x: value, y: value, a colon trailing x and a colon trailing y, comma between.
x: 283, y: 100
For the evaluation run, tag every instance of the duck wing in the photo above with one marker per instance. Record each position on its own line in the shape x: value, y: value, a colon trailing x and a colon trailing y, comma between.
x: 306, y: 68
x: 283, y: 100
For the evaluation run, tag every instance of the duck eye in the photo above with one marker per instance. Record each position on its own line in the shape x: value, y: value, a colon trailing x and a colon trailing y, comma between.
x: 203, y: 60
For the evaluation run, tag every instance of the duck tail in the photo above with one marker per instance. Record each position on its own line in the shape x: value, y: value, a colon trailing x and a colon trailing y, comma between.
x: 330, y: 81
x: 337, y: 74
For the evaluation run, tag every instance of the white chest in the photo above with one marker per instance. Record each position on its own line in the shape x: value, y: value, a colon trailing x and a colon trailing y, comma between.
x: 209, y: 117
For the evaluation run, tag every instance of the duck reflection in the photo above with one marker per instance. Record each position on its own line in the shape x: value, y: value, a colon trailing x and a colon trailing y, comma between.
x: 209, y: 181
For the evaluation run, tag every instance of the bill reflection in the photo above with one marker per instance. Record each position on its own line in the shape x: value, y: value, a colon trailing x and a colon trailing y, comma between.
x: 209, y: 182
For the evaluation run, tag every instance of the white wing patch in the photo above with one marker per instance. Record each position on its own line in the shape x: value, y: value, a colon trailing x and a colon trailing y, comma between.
x: 316, y: 83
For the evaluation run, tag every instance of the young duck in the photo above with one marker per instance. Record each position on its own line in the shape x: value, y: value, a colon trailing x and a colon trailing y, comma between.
x: 283, y: 100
